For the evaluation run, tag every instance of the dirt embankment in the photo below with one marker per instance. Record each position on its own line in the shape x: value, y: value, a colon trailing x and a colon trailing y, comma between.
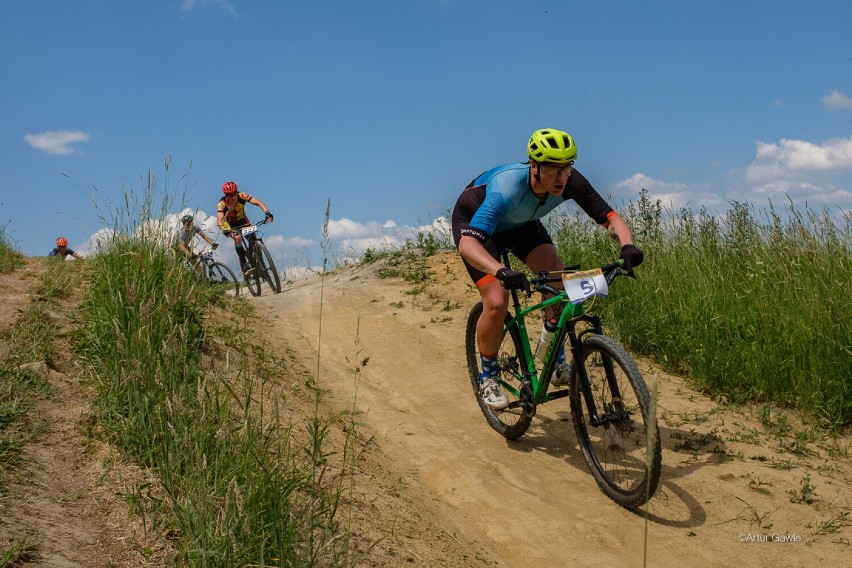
x: 67, y: 499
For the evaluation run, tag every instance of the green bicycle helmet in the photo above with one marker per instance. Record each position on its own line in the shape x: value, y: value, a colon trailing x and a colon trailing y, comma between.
x: 552, y: 146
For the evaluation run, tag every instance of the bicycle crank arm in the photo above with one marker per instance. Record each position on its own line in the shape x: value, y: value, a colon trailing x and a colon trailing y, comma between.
x: 558, y: 394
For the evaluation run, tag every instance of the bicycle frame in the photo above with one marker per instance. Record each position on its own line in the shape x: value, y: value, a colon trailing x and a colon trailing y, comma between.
x: 611, y: 408
x: 570, y: 315
x: 250, y: 240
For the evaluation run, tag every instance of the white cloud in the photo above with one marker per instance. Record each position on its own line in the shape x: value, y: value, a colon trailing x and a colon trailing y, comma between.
x: 353, y: 238
x: 837, y: 101
x: 358, y: 246
x: 673, y: 195
x: 346, y: 228
x: 789, y: 157
x: 99, y: 240
x: 189, y: 5
x: 56, y: 141
x: 801, y: 192
x: 279, y: 241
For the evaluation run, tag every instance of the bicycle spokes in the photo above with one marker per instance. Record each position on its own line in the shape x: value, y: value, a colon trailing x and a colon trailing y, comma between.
x: 613, y: 426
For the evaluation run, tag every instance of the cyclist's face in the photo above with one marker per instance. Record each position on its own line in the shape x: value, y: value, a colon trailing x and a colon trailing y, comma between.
x: 553, y: 177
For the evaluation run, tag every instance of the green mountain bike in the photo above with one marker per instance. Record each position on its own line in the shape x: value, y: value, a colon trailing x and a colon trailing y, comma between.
x: 609, y: 400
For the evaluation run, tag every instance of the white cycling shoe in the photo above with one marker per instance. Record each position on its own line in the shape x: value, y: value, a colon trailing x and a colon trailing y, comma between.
x: 493, y: 395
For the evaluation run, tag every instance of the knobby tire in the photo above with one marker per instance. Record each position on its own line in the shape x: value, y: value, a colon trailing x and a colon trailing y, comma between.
x: 253, y: 279
x: 267, y: 267
x: 512, y: 422
x: 223, y: 276
x: 617, y: 452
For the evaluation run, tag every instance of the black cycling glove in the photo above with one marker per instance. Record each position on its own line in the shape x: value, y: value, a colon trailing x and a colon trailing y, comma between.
x: 226, y: 232
x: 513, y: 280
x: 632, y: 257
x: 269, y: 216
x: 215, y: 246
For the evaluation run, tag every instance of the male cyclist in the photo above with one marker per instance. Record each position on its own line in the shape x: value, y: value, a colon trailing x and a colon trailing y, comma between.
x: 183, y: 238
x: 501, y: 209
x: 62, y: 249
x: 231, y: 215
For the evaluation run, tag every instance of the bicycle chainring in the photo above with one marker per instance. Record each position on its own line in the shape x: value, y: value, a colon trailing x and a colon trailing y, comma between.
x: 526, y: 399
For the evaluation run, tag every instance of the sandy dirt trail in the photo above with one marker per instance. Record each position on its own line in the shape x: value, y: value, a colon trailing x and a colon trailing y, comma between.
x: 723, y: 499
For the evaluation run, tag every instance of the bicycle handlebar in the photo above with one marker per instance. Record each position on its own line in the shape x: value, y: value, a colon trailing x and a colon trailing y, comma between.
x: 611, y: 271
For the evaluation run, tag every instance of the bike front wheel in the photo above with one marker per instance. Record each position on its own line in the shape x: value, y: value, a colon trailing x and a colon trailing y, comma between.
x: 620, y: 443
x: 267, y: 267
x: 224, y: 278
x: 513, y: 421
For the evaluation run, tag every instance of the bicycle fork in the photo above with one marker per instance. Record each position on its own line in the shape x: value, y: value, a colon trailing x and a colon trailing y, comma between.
x: 609, y: 415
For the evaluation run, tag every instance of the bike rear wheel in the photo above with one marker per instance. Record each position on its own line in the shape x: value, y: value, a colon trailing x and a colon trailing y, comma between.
x: 252, y: 279
x: 617, y: 450
x: 267, y: 267
x: 223, y: 277
x: 511, y: 422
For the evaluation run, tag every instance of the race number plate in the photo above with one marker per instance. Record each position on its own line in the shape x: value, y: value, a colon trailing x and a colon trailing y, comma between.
x: 580, y: 286
x: 250, y: 230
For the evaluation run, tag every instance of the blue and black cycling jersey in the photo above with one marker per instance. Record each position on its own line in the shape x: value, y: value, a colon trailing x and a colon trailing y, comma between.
x: 502, y: 199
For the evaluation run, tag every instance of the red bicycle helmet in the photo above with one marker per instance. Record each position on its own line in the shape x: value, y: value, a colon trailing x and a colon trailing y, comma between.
x: 229, y: 188
x: 62, y: 242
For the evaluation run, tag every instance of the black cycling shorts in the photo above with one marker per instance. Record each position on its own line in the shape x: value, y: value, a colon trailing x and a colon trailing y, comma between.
x: 520, y: 241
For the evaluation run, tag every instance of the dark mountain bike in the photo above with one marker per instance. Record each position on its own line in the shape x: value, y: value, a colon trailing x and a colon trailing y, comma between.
x: 609, y: 400
x: 257, y: 255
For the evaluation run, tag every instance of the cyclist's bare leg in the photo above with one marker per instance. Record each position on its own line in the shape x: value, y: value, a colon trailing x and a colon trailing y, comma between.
x: 544, y: 257
x: 489, y: 328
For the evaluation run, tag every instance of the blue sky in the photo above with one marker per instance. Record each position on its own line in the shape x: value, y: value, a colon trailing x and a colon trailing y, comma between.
x: 389, y: 107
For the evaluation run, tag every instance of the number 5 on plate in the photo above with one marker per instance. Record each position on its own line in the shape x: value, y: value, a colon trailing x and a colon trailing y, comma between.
x: 580, y: 286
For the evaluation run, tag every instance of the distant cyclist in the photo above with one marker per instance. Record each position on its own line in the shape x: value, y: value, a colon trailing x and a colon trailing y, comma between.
x: 501, y: 209
x: 183, y: 239
x: 231, y: 215
x: 62, y: 249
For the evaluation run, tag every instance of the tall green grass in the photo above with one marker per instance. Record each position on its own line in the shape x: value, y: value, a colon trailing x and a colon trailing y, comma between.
x: 752, y: 304
x: 232, y: 485
x: 10, y: 257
